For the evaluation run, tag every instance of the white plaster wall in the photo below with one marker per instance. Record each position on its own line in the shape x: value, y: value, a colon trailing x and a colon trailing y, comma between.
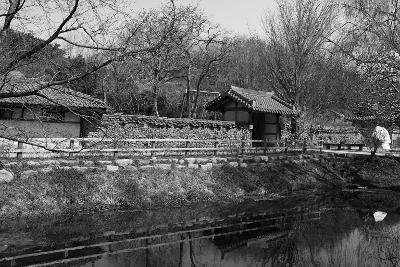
x: 270, y: 138
x: 231, y: 104
x: 270, y: 128
x: 71, y: 117
x: 271, y: 118
x: 229, y: 116
x: 32, y: 113
x: 242, y: 116
x: 40, y: 129
x: 17, y: 113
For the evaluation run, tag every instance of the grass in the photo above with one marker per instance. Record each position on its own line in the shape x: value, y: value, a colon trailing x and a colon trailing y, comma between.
x: 70, y: 190
x: 380, y: 172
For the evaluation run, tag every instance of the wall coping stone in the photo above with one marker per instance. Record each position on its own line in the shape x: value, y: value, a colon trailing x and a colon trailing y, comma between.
x: 163, y: 166
x: 193, y: 166
x: 233, y: 164
x: 112, y: 168
x: 12, y: 164
x: 190, y: 160
x: 202, y: 160
x: 33, y: 163
x: 179, y: 166
x: 50, y: 162
x: 146, y: 167
x: 130, y: 168
x: 46, y: 170
x: 105, y: 162
x: 80, y: 168
x: 27, y: 174
x: 206, y: 167
x: 123, y: 162
x: 69, y: 162
x: 142, y: 162
x: 88, y: 163
x: 65, y: 168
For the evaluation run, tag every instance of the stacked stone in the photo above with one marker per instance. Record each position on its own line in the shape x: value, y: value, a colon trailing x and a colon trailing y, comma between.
x: 120, y: 129
x: 30, y: 168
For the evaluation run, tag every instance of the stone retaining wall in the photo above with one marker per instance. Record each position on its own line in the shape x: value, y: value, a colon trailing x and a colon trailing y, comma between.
x: 29, y: 168
x: 147, y: 127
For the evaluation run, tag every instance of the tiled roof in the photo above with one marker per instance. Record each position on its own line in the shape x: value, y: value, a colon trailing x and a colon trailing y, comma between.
x: 382, y: 117
x: 167, y: 122
x: 253, y: 100
x: 53, y: 96
x: 361, y: 118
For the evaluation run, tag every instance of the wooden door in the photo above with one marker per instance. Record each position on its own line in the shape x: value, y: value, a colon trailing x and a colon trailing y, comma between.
x: 258, y: 126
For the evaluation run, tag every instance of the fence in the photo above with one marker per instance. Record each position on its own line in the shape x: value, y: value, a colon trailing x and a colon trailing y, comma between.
x: 89, y: 147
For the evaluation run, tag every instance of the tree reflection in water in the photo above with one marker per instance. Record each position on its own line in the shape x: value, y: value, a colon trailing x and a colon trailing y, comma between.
x: 381, y: 244
x: 337, y: 237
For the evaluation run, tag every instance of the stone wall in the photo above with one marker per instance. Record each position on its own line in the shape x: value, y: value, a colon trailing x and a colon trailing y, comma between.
x: 147, y: 127
x: 347, y: 135
x: 26, y: 169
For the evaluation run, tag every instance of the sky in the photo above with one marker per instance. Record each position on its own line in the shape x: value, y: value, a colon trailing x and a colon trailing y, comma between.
x: 237, y: 16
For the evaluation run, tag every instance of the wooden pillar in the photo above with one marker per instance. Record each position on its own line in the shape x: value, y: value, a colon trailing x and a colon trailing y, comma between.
x: 153, y: 145
x: 236, y: 111
x: 216, y: 146
x: 278, y: 126
x: 187, y: 146
x: 19, y: 146
x: 71, y: 147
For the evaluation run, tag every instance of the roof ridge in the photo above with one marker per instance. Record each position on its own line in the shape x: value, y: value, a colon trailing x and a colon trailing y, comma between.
x: 72, y: 92
x: 252, y: 91
x: 55, y: 95
x: 283, y: 102
x: 169, y: 121
x: 140, y: 116
x: 260, y: 101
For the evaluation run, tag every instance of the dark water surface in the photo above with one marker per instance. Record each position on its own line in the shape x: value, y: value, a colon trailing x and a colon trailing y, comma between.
x: 297, y: 231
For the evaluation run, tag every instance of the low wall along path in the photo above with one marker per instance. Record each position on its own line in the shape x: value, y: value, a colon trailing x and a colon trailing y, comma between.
x: 34, y: 167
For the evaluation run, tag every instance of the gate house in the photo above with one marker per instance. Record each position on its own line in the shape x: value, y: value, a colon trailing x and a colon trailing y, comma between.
x: 258, y: 108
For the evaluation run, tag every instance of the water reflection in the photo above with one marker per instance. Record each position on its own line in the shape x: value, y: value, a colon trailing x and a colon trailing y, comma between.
x: 339, y: 238
x: 291, y: 236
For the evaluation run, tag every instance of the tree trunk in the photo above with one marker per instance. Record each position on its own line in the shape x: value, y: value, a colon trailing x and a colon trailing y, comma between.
x: 14, y: 6
x: 293, y: 124
x: 188, y: 88
x: 182, y: 105
x: 155, y: 99
x: 196, y: 101
x: 191, y: 252
x: 198, y: 86
x: 180, y: 264
x: 373, y: 152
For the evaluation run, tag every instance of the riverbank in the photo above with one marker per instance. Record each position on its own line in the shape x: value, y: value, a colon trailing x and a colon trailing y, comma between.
x: 69, y: 190
x: 63, y: 190
x: 373, y: 184
x: 67, y: 209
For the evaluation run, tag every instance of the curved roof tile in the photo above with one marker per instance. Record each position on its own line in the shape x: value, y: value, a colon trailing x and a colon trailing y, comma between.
x: 253, y: 100
x: 51, y: 96
x: 167, y: 122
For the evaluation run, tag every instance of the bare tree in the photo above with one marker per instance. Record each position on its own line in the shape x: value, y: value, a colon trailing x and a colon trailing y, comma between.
x: 371, y: 41
x: 204, y: 46
x: 32, y: 32
x: 296, y: 35
x: 189, y: 52
x: 210, y: 51
x: 166, y: 61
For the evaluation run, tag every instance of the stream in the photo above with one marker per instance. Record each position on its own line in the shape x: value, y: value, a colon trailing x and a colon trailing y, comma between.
x: 302, y: 230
